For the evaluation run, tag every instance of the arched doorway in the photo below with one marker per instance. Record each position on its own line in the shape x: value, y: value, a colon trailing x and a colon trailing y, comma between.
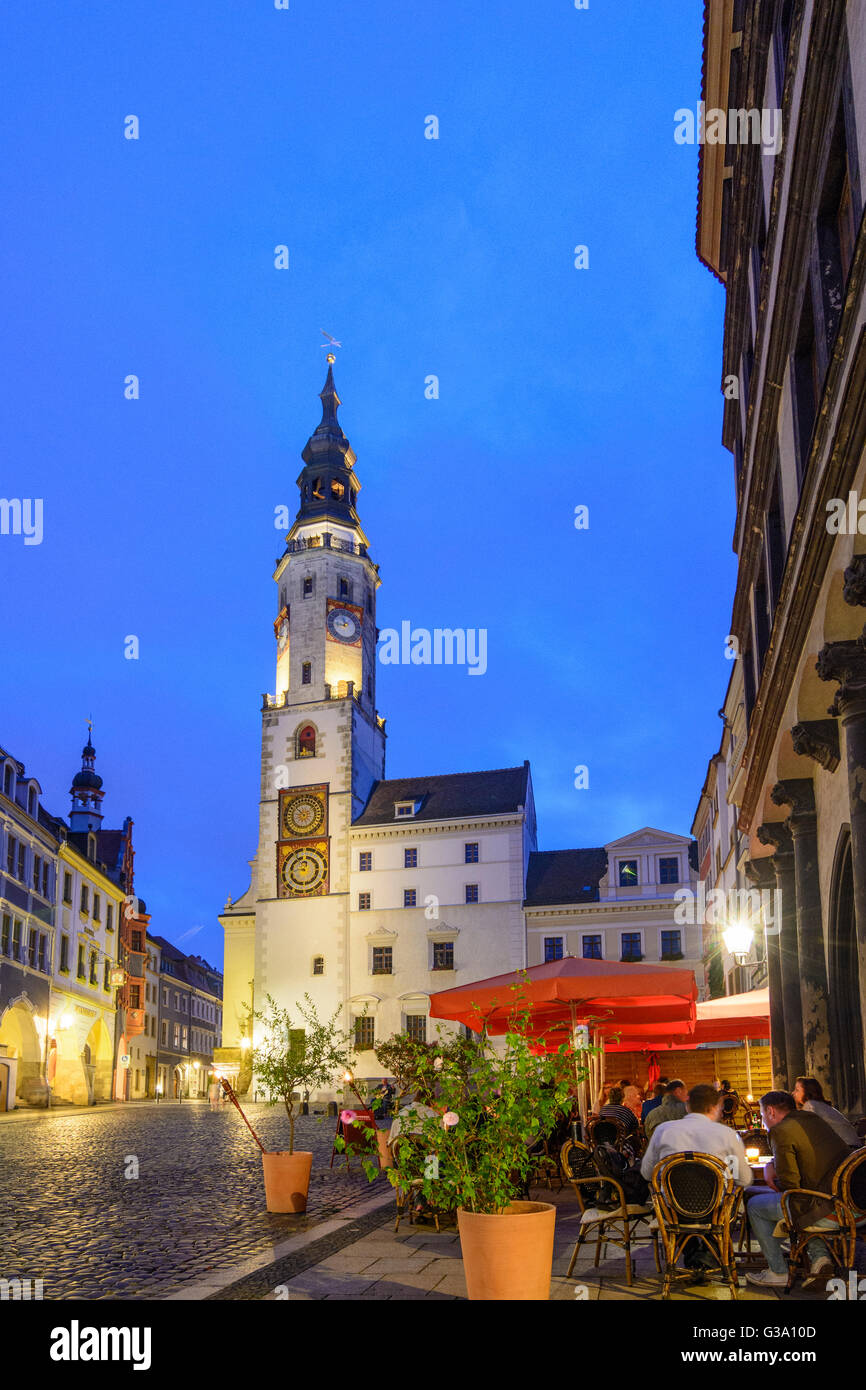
x: 18, y: 1032
x: 846, y: 1022
x: 97, y: 1059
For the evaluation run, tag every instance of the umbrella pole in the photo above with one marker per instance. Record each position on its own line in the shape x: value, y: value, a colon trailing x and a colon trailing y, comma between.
x: 748, y: 1067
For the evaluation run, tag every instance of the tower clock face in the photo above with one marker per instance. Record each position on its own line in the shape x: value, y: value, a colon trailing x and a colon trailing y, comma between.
x: 304, y: 870
x: 344, y: 625
x: 303, y: 815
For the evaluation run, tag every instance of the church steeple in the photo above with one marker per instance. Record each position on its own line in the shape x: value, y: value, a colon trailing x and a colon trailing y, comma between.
x: 86, y: 791
x: 327, y: 483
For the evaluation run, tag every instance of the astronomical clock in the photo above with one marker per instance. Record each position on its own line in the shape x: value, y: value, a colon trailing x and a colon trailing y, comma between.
x: 303, y: 847
x: 343, y: 622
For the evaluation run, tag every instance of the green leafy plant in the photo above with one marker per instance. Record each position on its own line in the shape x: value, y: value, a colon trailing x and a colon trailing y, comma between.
x: 295, y: 1057
x: 492, y: 1105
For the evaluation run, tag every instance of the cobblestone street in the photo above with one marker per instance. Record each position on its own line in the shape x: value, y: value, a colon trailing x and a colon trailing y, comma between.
x: 72, y: 1218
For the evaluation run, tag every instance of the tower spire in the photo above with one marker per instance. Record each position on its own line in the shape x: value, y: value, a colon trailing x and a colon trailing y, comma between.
x: 86, y: 790
x: 328, y: 484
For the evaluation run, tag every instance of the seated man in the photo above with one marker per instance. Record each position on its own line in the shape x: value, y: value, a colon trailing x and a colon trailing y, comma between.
x: 700, y: 1132
x: 658, y: 1096
x: 615, y: 1110
x: 673, y: 1107
x: 806, y: 1153
x: 411, y: 1120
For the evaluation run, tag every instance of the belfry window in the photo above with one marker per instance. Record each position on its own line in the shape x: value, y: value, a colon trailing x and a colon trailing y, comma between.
x: 306, y: 673
x: 338, y: 490
x: 317, y: 489
x: 307, y: 742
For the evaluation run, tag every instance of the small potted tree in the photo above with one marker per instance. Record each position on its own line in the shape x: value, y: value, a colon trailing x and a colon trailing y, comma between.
x: 492, y: 1107
x: 289, y: 1059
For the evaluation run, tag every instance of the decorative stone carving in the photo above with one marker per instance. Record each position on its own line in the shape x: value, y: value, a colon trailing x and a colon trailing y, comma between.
x: 778, y: 834
x: 854, y: 588
x: 761, y: 872
x: 796, y: 792
x: 818, y: 739
x: 844, y: 662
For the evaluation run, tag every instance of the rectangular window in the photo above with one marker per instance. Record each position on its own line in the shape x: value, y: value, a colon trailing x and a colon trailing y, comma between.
x: 470, y: 853
x: 93, y: 979
x: 631, y: 945
x: 364, y: 902
x: 416, y: 1027
x: 64, y: 954
x: 165, y: 996
x: 184, y: 1037
x: 6, y: 936
x: 163, y: 1032
x: 443, y: 955
x: 137, y: 938
x: 672, y: 943
x: 176, y: 1035
x: 365, y: 861
x: 410, y: 896
x: 43, y: 952
x: 109, y: 918
x: 307, y: 673
x: 16, y: 940
x: 97, y: 907
x: 308, y: 585
x: 134, y: 996
x: 592, y: 947
x: 80, y: 970
x: 627, y: 873
x: 318, y: 965
x: 10, y: 855
x: 410, y: 859
x: 22, y: 862
x: 67, y: 888
x: 106, y: 975
x: 344, y: 588
x: 669, y: 871
x: 472, y: 892
x: 85, y: 898
x: 382, y: 959
x: 365, y: 1034
x: 404, y: 808
x: 37, y: 865
x: 552, y: 948
x: 32, y: 937
x: 44, y: 879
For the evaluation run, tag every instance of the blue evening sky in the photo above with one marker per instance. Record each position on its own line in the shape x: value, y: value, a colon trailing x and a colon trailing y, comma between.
x: 455, y: 257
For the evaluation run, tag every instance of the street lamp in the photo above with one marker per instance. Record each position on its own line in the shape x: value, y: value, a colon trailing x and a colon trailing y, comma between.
x: 739, y: 938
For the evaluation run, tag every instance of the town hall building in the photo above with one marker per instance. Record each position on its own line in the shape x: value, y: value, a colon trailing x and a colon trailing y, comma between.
x: 371, y: 894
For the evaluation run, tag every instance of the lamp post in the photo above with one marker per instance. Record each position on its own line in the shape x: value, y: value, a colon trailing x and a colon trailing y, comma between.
x: 739, y: 938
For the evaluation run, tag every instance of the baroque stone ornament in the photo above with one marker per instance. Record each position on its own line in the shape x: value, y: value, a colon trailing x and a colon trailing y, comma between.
x: 778, y: 834
x: 818, y: 739
x: 796, y: 792
x: 760, y: 872
x: 854, y: 586
x: 844, y: 662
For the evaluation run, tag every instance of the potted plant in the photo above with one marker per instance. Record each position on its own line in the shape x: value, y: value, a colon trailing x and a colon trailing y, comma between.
x: 492, y: 1105
x: 289, y: 1059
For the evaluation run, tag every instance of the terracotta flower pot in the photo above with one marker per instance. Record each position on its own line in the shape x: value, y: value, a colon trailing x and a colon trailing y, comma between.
x: 508, y: 1257
x: 287, y: 1179
x: 385, y: 1159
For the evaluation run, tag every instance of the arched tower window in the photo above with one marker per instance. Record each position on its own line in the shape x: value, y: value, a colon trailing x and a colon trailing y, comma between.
x: 307, y: 742
x: 317, y: 489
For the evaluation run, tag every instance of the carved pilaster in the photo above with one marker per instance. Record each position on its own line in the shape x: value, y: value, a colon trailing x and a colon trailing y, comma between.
x: 818, y: 739
x: 854, y: 587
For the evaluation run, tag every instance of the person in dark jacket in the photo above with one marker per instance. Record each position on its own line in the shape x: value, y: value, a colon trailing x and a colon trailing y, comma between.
x: 806, y: 1153
x: 673, y: 1106
x: 656, y: 1100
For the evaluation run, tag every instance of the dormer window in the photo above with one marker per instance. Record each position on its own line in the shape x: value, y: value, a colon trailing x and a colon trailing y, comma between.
x: 7, y: 781
x: 404, y: 809
x: 31, y: 804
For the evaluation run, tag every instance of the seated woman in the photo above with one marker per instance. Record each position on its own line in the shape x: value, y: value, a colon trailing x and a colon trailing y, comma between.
x: 809, y: 1096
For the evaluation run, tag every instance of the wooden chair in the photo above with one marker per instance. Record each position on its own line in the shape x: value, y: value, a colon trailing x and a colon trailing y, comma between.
x: 695, y: 1198
x: 612, y: 1221
x: 848, y: 1198
x: 412, y: 1155
x: 545, y: 1167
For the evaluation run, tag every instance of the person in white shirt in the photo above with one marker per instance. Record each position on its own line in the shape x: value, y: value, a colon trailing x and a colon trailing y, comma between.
x: 700, y: 1132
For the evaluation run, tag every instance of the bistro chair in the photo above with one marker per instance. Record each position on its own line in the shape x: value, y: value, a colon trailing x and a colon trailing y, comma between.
x: 605, y: 1130
x: 545, y: 1167
x: 848, y: 1198
x: 610, y: 1217
x: 405, y: 1145
x: 695, y: 1199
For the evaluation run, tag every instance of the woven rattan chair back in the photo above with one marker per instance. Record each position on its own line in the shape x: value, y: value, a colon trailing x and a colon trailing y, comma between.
x: 692, y: 1186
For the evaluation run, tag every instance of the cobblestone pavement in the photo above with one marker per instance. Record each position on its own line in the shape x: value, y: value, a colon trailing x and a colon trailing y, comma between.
x: 71, y: 1217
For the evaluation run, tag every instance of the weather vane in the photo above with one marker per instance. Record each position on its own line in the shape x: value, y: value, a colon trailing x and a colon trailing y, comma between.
x: 330, y: 344
x: 89, y: 725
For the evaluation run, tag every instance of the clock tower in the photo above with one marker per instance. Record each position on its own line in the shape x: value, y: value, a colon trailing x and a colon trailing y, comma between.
x: 323, y: 744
